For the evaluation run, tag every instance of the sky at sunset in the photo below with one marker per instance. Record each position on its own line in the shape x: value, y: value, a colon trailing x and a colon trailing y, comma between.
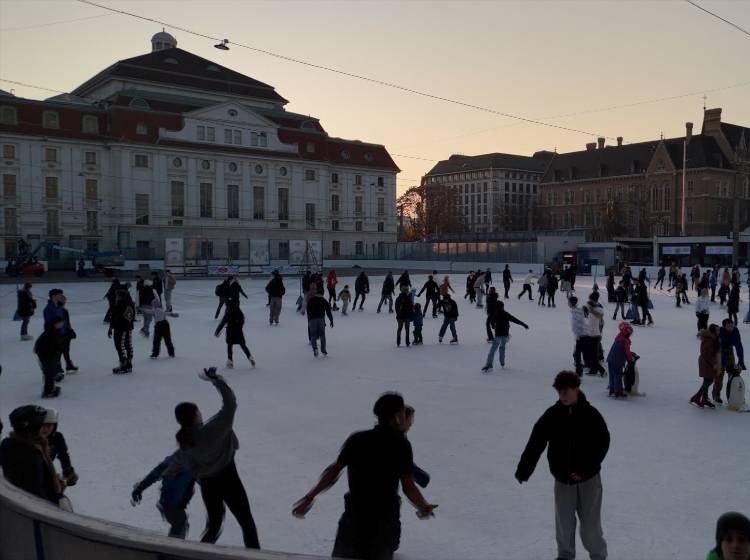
x: 573, y: 64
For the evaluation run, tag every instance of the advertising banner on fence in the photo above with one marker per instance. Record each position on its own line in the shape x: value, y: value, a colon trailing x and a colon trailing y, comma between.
x: 679, y: 250
x: 719, y: 250
x: 174, y: 252
x: 297, y: 251
x: 223, y: 269
x: 259, y: 252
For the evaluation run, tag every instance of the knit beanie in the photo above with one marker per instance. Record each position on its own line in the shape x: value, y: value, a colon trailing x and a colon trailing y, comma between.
x: 731, y: 521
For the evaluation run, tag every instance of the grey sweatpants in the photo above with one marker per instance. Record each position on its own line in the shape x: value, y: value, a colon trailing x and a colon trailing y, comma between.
x: 275, y: 310
x: 585, y: 499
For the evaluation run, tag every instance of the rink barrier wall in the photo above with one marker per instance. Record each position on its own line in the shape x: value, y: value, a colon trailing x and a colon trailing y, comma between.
x: 33, y: 529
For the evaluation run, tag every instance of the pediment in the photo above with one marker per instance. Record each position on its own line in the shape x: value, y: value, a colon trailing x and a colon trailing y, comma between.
x: 661, y: 162
x: 231, y: 114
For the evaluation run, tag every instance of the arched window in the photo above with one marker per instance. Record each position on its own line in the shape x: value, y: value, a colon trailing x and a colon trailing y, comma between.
x: 140, y: 103
x: 90, y: 124
x: 50, y: 119
x: 8, y: 115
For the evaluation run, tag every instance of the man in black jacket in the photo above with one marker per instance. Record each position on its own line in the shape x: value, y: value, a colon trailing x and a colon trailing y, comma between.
x: 432, y: 288
x: 386, y: 294
x: 577, y: 440
x: 501, y: 321
x: 361, y: 289
x: 48, y: 348
x: 450, y: 315
x: 21, y: 455
x: 317, y: 310
x: 404, y: 313
x: 507, y: 280
x: 275, y: 290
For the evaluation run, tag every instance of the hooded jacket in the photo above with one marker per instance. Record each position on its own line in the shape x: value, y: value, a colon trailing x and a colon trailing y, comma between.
x: 593, y: 313
x: 24, y: 466
x: 576, y: 438
x: 619, y: 352
x: 708, y: 360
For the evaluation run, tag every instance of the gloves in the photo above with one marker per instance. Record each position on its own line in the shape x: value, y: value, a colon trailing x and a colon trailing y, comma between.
x: 135, y: 497
x: 209, y: 374
x: 71, y: 478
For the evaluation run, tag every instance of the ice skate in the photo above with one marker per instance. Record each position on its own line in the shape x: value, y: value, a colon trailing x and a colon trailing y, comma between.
x: 230, y: 364
x: 454, y: 341
x: 52, y: 394
x: 707, y: 403
x: 71, y: 368
x: 486, y: 369
x: 252, y: 360
x: 27, y: 337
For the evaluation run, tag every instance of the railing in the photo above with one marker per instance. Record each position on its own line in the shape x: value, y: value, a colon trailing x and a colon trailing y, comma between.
x: 31, y: 528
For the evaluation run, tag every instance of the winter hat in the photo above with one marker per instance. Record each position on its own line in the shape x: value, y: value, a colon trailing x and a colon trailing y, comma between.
x: 28, y: 418
x: 731, y: 521
x: 55, y: 291
x: 625, y: 327
x: 147, y: 283
x: 387, y: 406
x: 51, y: 416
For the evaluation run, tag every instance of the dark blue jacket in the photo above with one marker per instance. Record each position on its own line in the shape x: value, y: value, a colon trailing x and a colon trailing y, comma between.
x: 53, y: 310
x: 730, y: 341
x: 176, y: 490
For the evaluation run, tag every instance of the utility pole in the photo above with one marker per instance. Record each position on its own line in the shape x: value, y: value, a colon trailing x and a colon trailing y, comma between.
x: 684, y: 174
x: 736, y: 221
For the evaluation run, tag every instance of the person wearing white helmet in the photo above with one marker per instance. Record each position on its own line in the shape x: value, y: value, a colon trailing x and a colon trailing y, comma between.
x: 58, y: 447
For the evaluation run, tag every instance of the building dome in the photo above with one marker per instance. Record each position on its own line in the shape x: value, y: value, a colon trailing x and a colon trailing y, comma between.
x: 162, y: 40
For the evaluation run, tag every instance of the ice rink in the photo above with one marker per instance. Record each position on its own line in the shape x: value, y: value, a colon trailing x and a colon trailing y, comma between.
x: 671, y: 470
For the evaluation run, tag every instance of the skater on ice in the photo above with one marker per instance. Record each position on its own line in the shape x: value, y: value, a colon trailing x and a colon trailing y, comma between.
x: 386, y: 292
x: 361, y: 289
x: 345, y: 296
x: 450, y: 316
x: 501, y: 321
x: 317, y: 311
x: 731, y: 342
x: 404, y: 313
x: 25, y: 309
x: 619, y: 356
x: 121, y: 326
x: 48, y: 349
x: 275, y: 290
x: 432, y: 293
x: 58, y: 447
x: 507, y: 281
x: 234, y: 321
x: 162, y: 330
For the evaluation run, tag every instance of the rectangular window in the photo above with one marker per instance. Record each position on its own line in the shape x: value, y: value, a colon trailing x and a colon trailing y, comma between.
x: 310, y: 147
x: 359, y: 248
x: 233, y: 202
x: 358, y: 225
x: 381, y: 206
x: 90, y: 124
x: 50, y: 154
x: 207, y: 249
x: 141, y: 128
x: 141, y: 160
x: 309, y: 174
x: 334, y: 178
x: 92, y: 221
x: 253, y: 138
x: 238, y: 137
x: 8, y: 116
x: 89, y: 158
x: 50, y: 188
x: 141, y: 209
x: 381, y: 182
x: 334, y: 225
x: 9, y: 151
x: 667, y: 200
x: 357, y: 204
x: 50, y: 119
x: 9, y: 186
x: 233, y: 250
x: 310, y: 215
x: 177, y: 199
x: 284, y: 250
x: 53, y: 224
x: 358, y: 179
x: 10, y: 224
x: 283, y: 201
x: 381, y: 227
x: 335, y: 248
x: 210, y: 134
x: 92, y: 190
x: 259, y: 202
x: 227, y: 136
x: 201, y: 133
x: 335, y: 206
x: 263, y: 140
x: 206, y: 200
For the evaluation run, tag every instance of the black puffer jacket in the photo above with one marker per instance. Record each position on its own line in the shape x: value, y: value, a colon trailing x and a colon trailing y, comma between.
x: 577, y: 440
x: 275, y: 288
x: 501, y: 320
x: 404, y: 307
x: 25, y: 467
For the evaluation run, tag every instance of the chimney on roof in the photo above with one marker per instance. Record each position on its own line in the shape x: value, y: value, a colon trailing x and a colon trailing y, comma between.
x: 712, y: 120
x: 591, y: 146
x: 688, y: 131
x: 600, y: 141
x: 619, y: 140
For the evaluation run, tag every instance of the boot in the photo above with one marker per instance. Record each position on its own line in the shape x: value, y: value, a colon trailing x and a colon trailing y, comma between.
x: 696, y: 400
x: 71, y: 368
x: 230, y: 364
x: 52, y: 394
x: 707, y: 403
x: 486, y: 369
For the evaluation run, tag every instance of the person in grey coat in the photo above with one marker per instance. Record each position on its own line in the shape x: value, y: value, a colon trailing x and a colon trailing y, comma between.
x: 207, y: 450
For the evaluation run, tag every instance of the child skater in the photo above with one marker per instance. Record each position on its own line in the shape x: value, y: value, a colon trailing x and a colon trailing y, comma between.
x: 619, y: 355
x: 417, y: 322
x: 345, y: 296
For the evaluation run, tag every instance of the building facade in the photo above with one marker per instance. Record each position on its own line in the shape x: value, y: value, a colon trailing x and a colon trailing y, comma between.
x: 494, y: 192
x: 169, y: 144
x: 635, y: 190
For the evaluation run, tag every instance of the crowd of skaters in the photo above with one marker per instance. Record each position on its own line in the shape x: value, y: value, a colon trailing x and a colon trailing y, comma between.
x: 360, y: 533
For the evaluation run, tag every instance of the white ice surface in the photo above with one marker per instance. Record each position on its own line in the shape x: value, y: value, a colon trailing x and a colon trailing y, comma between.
x: 671, y: 469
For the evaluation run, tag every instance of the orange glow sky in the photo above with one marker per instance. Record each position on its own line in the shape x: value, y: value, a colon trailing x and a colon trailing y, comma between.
x: 535, y: 59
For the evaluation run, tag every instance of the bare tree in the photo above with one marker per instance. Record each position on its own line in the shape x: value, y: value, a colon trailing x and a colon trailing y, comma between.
x: 428, y: 209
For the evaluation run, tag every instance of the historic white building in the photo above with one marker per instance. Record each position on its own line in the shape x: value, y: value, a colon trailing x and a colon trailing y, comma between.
x: 169, y: 145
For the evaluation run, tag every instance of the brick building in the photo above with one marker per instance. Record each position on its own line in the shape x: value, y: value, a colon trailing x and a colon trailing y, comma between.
x: 495, y: 192
x: 635, y: 189
x: 169, y: 144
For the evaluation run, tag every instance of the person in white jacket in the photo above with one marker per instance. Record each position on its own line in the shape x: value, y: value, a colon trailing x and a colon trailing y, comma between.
x: 527, y: 282
x: 577, y: 320
x: 593, y: 324
x: 702, y: 309
x: 479, y: 289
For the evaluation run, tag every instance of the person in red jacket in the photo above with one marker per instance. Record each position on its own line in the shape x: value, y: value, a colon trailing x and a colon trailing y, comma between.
x: 331, y: 282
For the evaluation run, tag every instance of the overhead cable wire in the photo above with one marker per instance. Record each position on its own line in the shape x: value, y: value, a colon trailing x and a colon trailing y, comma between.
x: 355, y: 76
x: 51, y: 23
x: 717, y: 16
